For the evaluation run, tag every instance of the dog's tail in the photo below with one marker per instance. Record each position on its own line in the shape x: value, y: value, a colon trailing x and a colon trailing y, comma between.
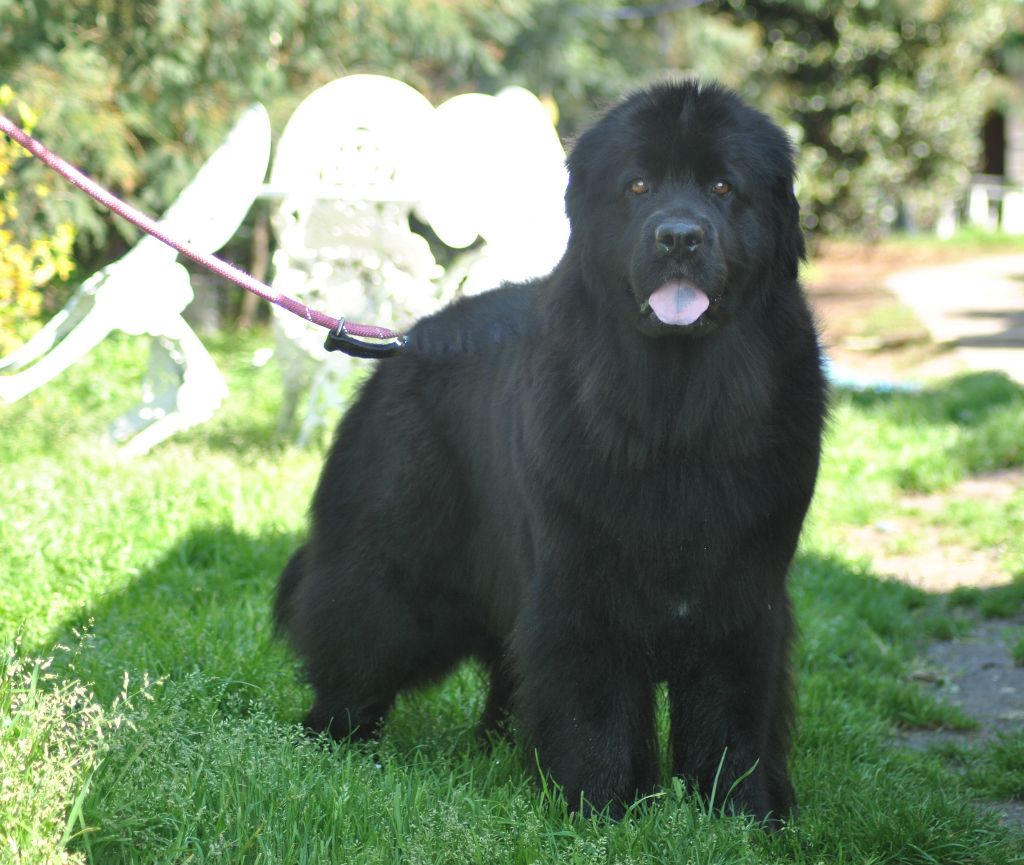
x: 287, y: 583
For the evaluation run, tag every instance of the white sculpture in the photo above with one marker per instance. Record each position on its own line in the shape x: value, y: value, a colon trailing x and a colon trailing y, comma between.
x: 498, y: 174
x: 360, y: 155
x: 145, y: 292
x: 348, y: 169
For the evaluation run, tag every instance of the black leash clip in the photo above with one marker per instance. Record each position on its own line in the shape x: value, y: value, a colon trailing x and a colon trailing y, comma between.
x: 367, y: 347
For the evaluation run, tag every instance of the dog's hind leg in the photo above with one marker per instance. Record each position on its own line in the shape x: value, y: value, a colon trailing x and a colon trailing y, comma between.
x: 287, y: 584
x: 335, y: 710
x: 367, y: 628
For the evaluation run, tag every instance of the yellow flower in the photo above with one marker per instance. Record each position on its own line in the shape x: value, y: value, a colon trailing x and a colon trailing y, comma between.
x: 27, y: 264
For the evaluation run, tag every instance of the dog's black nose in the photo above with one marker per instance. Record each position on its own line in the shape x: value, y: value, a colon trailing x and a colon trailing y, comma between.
x: 679, y: 236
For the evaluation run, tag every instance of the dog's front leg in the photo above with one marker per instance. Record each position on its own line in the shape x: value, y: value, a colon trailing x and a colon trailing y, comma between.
x: 731, y: 713
x: 587, y: 704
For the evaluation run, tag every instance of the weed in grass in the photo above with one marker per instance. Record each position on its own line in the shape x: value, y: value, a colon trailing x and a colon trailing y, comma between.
x: 913, y: 709
x: 1017, y: 649
x: 998, y: 770
x: 1003, y: 602
x: 999, y: 602
x: 999, y: 605
x: 968, y: 597
x: 937, y: 625
x: 994, y: 771
x: 53, y: 737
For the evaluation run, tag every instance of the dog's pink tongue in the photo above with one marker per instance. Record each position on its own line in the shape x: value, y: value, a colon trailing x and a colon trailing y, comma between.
x: 678, y: 303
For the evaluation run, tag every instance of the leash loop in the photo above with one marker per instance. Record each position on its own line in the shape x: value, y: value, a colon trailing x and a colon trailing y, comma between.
x: 384, y: 344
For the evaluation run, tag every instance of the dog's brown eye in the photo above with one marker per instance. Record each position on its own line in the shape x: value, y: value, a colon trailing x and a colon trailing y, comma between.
x: 639, y: 186
x: 720, y: 187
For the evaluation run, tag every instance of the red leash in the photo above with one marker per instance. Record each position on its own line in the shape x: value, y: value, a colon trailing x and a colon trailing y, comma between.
x: 358, y: 340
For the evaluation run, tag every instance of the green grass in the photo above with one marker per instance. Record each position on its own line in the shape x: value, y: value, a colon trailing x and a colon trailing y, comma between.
x: 1017, y: 650
x: 1000, y: 602
x: 147, y: 715
x: 995, y: 770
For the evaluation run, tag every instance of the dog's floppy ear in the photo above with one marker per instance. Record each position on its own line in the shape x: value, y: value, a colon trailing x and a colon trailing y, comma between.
x: 790, y: 249
x: 575, y: 191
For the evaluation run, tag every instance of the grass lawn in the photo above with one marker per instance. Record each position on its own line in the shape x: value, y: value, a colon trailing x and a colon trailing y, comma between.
x: 146, y: 714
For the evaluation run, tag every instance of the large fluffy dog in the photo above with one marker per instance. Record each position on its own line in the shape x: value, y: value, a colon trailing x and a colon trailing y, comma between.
x: 594, y: 482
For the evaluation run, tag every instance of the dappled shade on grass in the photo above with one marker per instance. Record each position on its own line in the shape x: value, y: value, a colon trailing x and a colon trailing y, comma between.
x: 168, y: 565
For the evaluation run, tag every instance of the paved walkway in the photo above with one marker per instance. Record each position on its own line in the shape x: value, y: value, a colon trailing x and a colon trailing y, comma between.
x: 976, y: 307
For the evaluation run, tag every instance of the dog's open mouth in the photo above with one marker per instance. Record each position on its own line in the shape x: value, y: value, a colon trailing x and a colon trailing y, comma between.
x: 677, y: 302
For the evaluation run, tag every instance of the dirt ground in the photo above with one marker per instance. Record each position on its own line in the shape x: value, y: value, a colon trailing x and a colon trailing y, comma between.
x: 864, y: 326
x: 867, y: 330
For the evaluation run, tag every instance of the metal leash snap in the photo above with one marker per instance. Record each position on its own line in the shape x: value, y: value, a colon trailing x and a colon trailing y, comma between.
x: 363, y: 346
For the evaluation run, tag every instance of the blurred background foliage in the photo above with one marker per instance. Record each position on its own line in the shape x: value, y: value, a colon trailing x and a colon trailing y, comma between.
x: 884, y: 98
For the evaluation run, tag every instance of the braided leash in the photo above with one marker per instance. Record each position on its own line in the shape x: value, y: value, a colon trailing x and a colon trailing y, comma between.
x: 357, y: 340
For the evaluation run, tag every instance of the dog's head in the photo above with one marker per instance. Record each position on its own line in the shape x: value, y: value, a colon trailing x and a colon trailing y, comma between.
x: 681, y: 204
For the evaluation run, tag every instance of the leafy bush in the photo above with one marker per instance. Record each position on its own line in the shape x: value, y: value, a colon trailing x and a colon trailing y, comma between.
x: 140, y: 93
x: 30, y: 257
x: 886, y: 100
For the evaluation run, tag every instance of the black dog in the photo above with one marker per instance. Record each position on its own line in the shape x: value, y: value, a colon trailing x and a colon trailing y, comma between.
x: 594, y: 482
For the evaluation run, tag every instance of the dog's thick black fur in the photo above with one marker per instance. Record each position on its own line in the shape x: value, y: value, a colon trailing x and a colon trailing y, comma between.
x: 595, y: 481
